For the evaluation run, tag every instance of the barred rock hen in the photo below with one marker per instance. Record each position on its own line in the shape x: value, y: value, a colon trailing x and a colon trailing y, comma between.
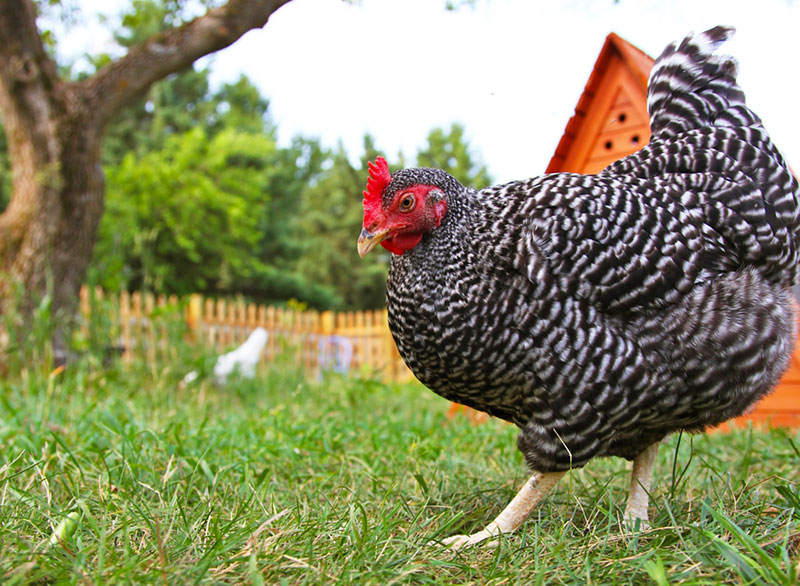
x: 601, y: 313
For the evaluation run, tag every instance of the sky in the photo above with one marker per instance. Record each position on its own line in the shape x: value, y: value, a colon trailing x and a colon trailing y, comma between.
x: 510, y: 71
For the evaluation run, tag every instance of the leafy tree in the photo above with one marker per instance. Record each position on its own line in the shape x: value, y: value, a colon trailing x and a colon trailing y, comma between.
x: 240, y: 105
x: 179, y: 102
x: 183, y: 102
x: 297, y: 168
x: 54, y: 128
x: 199, y: 196
x: 171, y: 107
x: 449, y: 150
x: 329, y: 220
x: 210, y: 215
x: 184, y: 218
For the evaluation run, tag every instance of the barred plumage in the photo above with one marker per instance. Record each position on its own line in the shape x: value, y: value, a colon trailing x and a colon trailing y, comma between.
x: 601, y: 313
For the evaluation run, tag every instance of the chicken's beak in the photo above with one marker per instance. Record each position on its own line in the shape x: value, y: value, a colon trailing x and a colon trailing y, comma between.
x: 368, y: 240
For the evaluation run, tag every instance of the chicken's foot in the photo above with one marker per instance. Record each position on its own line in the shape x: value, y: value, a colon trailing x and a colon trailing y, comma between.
x: 515, y: 513
x: 639, y: 495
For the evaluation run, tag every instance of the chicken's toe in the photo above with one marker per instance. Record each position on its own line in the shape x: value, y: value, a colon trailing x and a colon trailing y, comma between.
x: 459, y: 541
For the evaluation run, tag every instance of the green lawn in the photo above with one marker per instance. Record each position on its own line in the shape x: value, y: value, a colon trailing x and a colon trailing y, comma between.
x: 282, y: 480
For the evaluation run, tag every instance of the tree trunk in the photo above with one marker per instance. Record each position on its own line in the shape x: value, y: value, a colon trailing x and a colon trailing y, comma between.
x: 54, y: 133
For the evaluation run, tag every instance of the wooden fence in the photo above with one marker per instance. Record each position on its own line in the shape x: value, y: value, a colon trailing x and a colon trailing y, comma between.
x: 350, y: 341
x: 147, y: 324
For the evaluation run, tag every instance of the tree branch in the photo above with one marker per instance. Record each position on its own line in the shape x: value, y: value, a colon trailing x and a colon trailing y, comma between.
x: 170, y: 51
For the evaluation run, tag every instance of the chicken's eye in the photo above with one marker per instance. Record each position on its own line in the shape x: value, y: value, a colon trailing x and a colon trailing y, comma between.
x: 407, y: 203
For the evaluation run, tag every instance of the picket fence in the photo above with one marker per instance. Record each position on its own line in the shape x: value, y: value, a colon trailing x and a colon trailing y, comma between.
x: 351, y: 341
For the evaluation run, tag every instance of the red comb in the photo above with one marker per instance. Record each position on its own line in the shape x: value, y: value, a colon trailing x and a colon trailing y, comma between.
x: 379, y: 179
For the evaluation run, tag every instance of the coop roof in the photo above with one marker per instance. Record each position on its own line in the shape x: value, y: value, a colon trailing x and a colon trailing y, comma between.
x: 610, y: 120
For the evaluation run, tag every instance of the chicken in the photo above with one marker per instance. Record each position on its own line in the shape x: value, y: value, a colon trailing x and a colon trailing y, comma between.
x: 244, y: 358
x: 601, y: 313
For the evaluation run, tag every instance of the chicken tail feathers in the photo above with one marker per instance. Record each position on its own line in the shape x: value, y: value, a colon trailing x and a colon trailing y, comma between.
x: 691, y: 87
x: 707, y: 145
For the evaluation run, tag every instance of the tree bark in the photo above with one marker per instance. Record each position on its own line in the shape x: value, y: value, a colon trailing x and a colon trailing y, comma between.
x: 54, y: 132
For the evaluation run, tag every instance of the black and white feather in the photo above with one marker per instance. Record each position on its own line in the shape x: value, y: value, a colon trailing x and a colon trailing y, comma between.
x: 600, y: 313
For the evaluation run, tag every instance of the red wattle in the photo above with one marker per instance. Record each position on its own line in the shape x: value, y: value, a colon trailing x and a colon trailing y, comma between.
x: 402, y: 242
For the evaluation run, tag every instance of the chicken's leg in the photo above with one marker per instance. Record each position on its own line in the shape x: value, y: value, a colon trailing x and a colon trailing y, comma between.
x: 639, y: 495
x: 515, y: 513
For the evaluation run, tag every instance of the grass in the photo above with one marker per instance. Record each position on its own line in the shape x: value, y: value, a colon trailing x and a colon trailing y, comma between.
x: 282, y: 480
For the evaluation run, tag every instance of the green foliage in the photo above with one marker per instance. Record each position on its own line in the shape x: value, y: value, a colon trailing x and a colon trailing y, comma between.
x: 173, y: 106
x: 295, y: 169
x: 145, y: 18
x: 171, y: 224
x: 201, y: 199
x: 240, y: 105
x: 330, y: 219
x: 181, y: 103
x: 183, y: 250
x: 204, y: 214
x: 27, y: 340
x: 184, y: 218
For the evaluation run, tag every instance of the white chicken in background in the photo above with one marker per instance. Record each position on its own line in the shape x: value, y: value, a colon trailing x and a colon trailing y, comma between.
x: 244, y: 359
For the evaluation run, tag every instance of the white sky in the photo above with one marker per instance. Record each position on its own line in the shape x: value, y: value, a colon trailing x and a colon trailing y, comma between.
x: 511, y: 71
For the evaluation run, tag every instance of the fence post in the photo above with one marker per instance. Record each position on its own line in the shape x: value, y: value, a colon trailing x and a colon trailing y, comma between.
x: 125, y: 326
x: 219, y: 323
x: 328, y: 322
x: 194, y: 312
x: 149, y: 324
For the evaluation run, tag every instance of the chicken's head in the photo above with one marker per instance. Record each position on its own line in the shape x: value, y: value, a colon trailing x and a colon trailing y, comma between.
x: 400, y: 209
